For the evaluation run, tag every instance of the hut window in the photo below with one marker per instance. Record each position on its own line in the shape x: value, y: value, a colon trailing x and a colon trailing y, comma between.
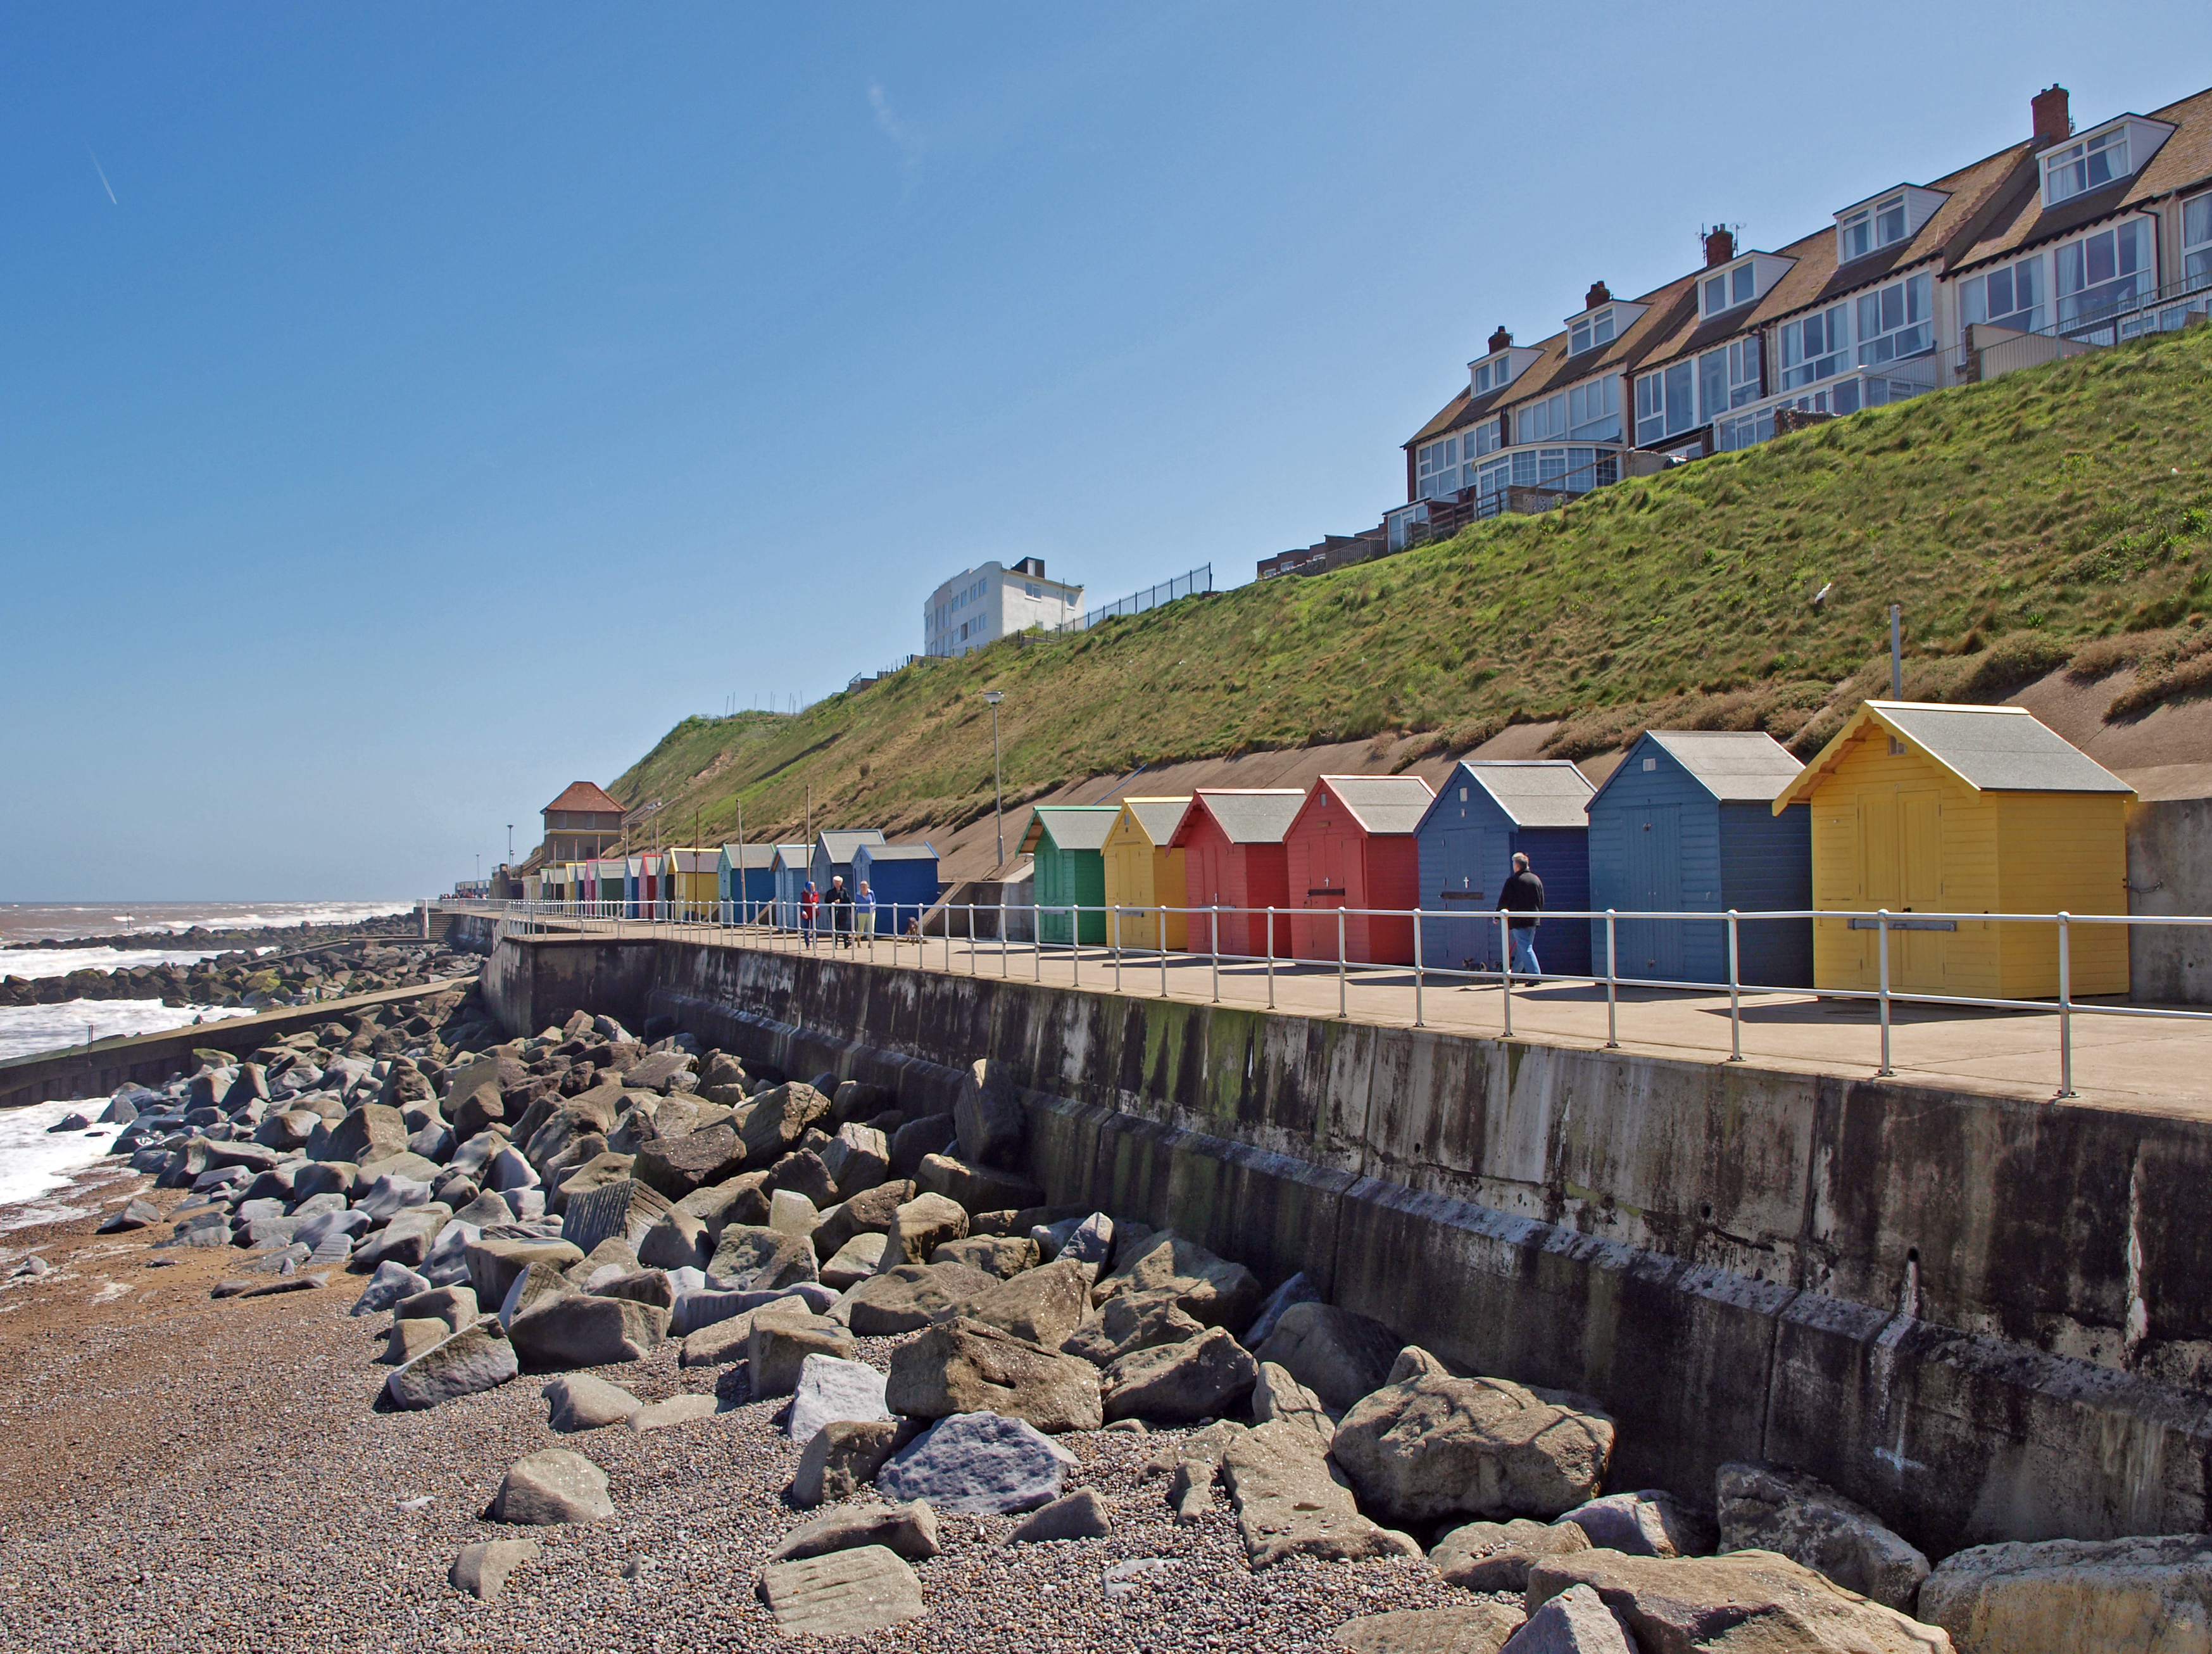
x: 1463, y: 795
x: 1651, y: 763
x: 1896, y: 747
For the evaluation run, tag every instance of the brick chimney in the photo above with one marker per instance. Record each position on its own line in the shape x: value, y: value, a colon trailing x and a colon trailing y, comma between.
x: 1501, y: 340
x: 1599, y: 294
x: 1720, y: 245
x: 2052, y: 121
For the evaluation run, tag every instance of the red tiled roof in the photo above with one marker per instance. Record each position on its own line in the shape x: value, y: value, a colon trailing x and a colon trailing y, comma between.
x: 588, y: 798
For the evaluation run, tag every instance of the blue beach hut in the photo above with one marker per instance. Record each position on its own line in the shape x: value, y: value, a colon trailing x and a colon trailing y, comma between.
x: 832, y: 856
x: 744, y: 878
x: 789, y: 876
x: 1487, y: 810
x: 903, y: 878
x: 1687, y: 824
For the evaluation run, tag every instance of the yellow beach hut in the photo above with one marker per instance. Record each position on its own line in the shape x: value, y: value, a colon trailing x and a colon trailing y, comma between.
x: 1920, y: 808
x: 1143, y: 873
x: 688, y: 887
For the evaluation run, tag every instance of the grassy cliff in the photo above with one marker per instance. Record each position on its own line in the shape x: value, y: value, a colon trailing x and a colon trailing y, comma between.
x: 2059, y: 515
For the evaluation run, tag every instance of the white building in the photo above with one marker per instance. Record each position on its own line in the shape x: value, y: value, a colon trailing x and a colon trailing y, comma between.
x: 992, y: 601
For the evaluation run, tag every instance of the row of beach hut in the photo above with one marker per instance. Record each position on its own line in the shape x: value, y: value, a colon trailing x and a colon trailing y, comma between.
x: 1952, y: 811
x: 749, y: 881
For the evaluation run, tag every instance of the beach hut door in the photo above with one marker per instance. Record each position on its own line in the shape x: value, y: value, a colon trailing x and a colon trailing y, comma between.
x: 1654, y: 948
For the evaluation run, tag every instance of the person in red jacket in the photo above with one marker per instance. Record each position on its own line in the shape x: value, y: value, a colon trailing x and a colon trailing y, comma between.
x: 809, y: 900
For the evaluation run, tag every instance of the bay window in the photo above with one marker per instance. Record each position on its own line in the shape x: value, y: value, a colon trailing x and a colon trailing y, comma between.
x: 1895, y: 321
x: 1664, y: 405
x: 2011, y: 297
x: 1486, y: 438
x: 1593, y: 410
x: 1437, y: 469
x: 1540, y: 421
x: 1729, y: 375
x: 2084, y: 166
x: 2197, y: 238
x: 2101, y: 272
x: 1816, y: 347
x: 1592, y: 331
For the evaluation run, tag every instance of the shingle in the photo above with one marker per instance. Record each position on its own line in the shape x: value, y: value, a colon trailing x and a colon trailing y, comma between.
x: 1999, y: 749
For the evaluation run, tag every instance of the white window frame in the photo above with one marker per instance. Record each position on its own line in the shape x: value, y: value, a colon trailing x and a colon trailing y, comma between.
x: 1974, y: 307
x: 1436, y: 468
x: 1482, y: 439
x: 2196, y: 237
x: 1896, y: 320
x: 1493, y: 375
x: 1590, y: 332
x: 1738, y: 284
x: 1594, y: 409
x: 1728, y: 376
x: 1800, y: 366
x: 1879, y: 224
x: 2068, y: 169
x: 2068, y: 256
x: 1543, y: 420
x: 1665, y: 402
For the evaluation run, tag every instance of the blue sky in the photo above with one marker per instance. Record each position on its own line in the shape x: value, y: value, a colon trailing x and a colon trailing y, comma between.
x: 448, y: 399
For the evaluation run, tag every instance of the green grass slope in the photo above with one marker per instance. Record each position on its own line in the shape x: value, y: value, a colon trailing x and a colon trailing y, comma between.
x: 2057, y: 515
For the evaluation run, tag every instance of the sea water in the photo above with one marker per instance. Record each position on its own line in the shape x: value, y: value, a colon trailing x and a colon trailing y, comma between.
x: 29, y: 922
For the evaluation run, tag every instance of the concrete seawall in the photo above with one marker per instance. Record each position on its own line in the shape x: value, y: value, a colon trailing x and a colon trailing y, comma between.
x: 1985, y: 1318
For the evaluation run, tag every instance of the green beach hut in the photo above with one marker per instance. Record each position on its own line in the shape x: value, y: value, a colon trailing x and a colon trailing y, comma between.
x: 1067, y: 842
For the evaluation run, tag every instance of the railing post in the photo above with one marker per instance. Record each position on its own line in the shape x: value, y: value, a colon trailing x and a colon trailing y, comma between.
x: 1612, y: 995
x: 975, y: 968
x: 1164, y: 950
x: 1418, y: 1023
x: 1506, y: 971
x: 1037, y: 938
x: 1113, y: 919
x: 1881, y: 935
x: 1736, y: 1007
x: 2065, y: 1012
x: 1213, y: 920
x: 1342, y: 1008
x: 1074, y: 945
x: 1271, y: 959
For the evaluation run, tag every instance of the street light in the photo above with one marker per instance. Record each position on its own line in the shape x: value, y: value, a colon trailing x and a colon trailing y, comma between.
x: 998, y: 794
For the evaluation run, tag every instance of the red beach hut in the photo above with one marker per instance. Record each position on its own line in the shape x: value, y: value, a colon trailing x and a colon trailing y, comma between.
x: 1352, y: 846
x: 1232, y: 841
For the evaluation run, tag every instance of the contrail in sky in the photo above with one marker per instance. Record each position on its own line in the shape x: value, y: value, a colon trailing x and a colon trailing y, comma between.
x: 104, y: 184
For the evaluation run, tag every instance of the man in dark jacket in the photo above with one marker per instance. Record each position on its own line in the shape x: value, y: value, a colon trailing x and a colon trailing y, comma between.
x: 1522, y: 897
x: 841, y: 910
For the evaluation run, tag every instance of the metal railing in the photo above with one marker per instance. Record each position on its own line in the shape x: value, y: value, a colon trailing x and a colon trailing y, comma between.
x: 1183, y: 586
x: 1121, y: 941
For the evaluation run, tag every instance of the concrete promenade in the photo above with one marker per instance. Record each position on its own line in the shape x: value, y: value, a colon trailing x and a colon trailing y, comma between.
x: 2137, y: 1064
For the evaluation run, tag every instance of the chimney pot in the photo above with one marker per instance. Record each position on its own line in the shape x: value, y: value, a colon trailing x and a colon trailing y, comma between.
x: 1720, y: 245
x: 2053, y: 119
x: 1599, y: 294
x: 1500, y: 340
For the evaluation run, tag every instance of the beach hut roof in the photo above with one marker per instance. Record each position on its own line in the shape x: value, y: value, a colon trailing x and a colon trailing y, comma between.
x: 1990, y: 749
x: 1074, y: 826
x: 1735, y: 766
x: 1259, y: 815
x: 749, y: 855
x: 1381, y: 804
x: 1532, y: 792
x: 794, y: 856
x: 843, y: 842
x: 922, y: 852
x: 1159, y: 817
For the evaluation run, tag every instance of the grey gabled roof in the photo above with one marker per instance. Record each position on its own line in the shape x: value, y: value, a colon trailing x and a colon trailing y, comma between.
x: 1159, y: 817
x: 922, y: 852
x: 1248, y: 815
x: 1074, y: 826
x: 1737, y: 766
x: 842, y: 843
x: 749, y: 855
x: 1533, y: 792
x: 1381, y: 804
x: 1999, y: 749
x: 793, y: 856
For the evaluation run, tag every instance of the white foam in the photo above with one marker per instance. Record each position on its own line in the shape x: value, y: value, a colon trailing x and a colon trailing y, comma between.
x: 25, y: 1029
x: 34, y: 962
x: 35, y: 1162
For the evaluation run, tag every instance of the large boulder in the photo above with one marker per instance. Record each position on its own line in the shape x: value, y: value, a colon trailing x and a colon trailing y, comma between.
x: 581, y: 1331
x: 552, y: 1485
x: 1130, y: 1322
x: 720, y: 1342
x: 1038, y: 1306
x: 780, y: 1346
x: 578, y: 1400
x: 1652, y: 1522
x: 1455, y: 1628
x: 1764, y: 1508
x: 841, y: 1593
x: 1192, y: 1463
x: 858, y: 1159
x: 978, y: 1464
x: 844, y: 1455
x: 478, y: 1360
x: 802, y: 1175
x: 1210, y: 1290
x: 779, y: 1118
x: 2147, y: 1596
x: 1576, y: 1622
x: 1289, y: 1505
x: 678, y: 1165
x: 1494, y: 1556
x: 482, y: 1569
x: 917, y: 1139
x: 912, y: 1296
x: 854, y: 1262
x: 1747, y: 1600
x: 909, y: 1529
x: 1276, y: 1396
x: 1435, y: 1447
x: 1339, y: 1354
x: 964, y: 1366
x: 977, y: 1188
x: 493, y: 1263
x: 870, y: 1211
x: 1180, y: 1384
x: 406, y: 1240
x: 919, y: 1226
x: 987, y: 1116
x: 620, y: 1208
x: 368, y: 1133
x: 758, y: 1259
x: 1003, y: 1256
x: 834, y: 1390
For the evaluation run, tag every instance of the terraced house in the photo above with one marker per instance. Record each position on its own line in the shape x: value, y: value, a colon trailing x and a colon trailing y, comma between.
x: 2064, y: 242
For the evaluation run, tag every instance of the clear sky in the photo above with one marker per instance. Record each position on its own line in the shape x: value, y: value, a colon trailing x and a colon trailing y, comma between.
x: 407, y: 409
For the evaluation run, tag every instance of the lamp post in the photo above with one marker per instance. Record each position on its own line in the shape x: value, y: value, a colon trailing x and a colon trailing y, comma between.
x: 998, y: 793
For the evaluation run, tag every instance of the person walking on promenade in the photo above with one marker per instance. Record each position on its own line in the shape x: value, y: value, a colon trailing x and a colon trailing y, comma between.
x: 841, y: 910
x: 1522, y: 897
x: 809, y: 900
x: 864, y: 912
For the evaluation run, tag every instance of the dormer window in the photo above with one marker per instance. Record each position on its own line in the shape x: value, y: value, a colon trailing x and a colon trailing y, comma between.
x: 1871, y: 229
x: 1727, y: 289
x: 1491, y: 375
x: 1589, y: 332
x: 2076, y: 168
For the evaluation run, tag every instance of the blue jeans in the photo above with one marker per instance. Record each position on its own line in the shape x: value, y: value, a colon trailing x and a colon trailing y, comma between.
x: 1524, y: 952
